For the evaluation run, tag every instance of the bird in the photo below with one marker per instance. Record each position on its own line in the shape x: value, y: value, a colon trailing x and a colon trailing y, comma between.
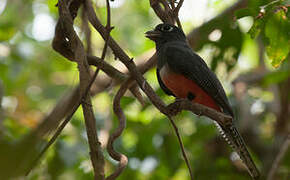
x: 184, y: 74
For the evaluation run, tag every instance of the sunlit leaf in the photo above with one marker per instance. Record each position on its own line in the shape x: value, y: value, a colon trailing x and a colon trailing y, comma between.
x: 279, y: 40
x: 276, y: 77
x: 256, y: 28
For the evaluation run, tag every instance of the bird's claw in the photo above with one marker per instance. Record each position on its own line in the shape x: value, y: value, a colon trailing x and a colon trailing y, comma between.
x: 174, y: 108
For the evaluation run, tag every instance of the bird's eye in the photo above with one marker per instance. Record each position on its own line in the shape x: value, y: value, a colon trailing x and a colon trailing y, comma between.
x: 167, y: 28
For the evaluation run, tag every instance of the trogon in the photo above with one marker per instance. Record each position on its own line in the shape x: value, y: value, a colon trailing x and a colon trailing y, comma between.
x: 184, y: 74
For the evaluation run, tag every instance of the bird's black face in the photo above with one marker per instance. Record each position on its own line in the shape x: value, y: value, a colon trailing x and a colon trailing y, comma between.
x: 164, y: 33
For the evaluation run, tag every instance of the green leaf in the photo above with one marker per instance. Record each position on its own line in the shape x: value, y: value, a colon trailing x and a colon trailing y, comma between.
x: 276, y: 31
x: 244, y: 12
x: 256, y: 28
x: 276, y: 77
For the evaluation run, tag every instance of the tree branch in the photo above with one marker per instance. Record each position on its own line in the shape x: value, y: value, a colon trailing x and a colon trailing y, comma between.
x: 87, y: 31
x: 123, y: 160
x: 181, y: 146
x: 200, y: 110
x: 175, y: 11
x: 162, y: 12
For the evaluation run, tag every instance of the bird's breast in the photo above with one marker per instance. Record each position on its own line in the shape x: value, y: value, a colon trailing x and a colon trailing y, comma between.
x: 184, y: 87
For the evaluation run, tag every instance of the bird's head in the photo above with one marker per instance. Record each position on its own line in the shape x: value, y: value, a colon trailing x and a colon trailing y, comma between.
x: 165, y: 33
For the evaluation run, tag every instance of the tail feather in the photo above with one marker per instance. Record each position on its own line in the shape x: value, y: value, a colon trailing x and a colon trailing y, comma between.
x: 234, y: 139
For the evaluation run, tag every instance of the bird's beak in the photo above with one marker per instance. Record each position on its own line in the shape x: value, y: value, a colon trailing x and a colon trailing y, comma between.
x: 153, y: 35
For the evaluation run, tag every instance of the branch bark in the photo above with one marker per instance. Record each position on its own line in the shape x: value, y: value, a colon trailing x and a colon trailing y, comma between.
x: 66, y: 22
x: 123, y: 160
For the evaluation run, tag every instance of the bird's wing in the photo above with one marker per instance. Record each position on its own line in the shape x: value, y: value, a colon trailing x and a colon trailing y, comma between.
x: 181, y: 59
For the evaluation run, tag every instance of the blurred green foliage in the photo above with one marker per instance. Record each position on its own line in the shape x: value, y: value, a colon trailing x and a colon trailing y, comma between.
x: 272, y: 23
x: 34, y: 78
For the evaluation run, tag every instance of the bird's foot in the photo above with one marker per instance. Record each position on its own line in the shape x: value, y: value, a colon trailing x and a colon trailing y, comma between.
x: 174, y: 108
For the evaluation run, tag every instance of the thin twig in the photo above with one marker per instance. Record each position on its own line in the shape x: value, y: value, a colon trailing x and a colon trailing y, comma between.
x: 123, y: 160
x: 162, y: 13
x: 116, y: 75
x: 200, y: 110
x: 110, y: 70
x: 175, y: 11
x: 54, y: 137
x: 88, y: 34
x: 279, y: 158
x: 181, y: 146
x: 109, y: 29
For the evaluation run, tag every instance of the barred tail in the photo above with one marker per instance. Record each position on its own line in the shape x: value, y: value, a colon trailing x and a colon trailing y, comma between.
x: 235, y: 140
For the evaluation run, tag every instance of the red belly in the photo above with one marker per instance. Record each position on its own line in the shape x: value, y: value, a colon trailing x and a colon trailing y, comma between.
x: 180, y: 86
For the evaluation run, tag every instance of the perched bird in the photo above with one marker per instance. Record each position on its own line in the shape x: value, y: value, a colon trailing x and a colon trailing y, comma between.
x: 184, y: 74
